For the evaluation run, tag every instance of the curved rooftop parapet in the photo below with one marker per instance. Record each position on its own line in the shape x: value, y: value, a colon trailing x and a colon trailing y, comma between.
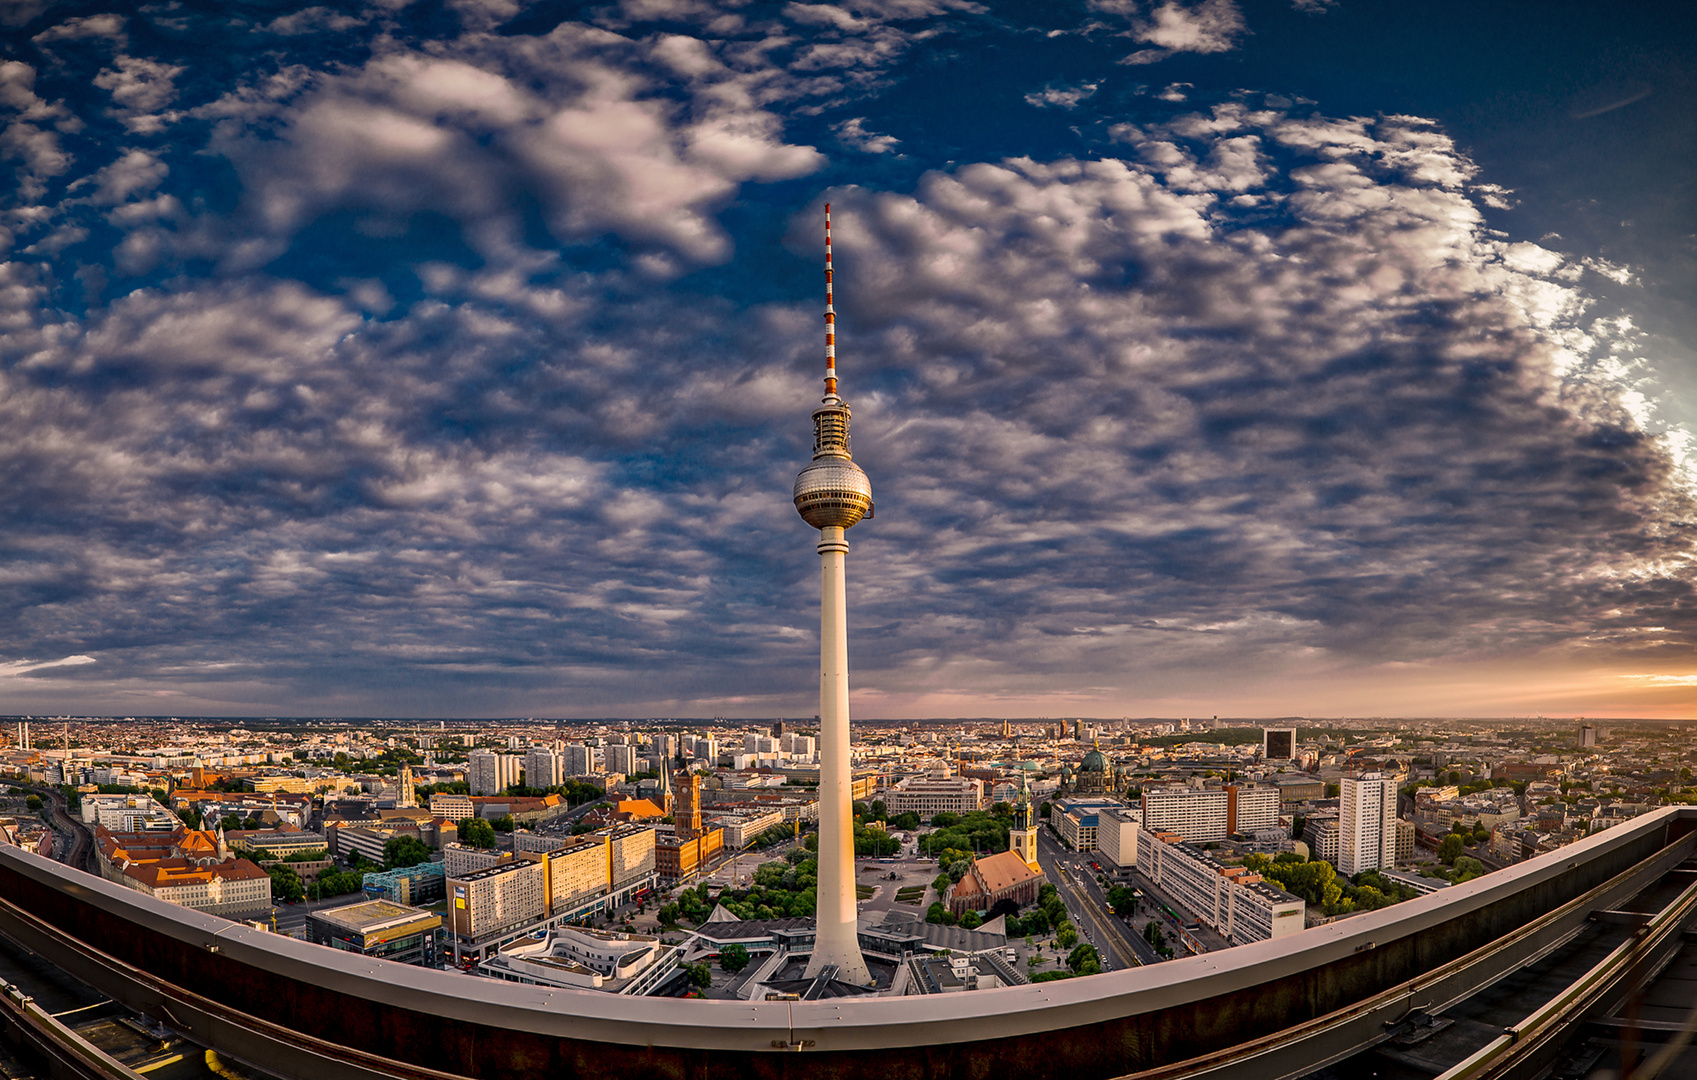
x: 298, y: 1009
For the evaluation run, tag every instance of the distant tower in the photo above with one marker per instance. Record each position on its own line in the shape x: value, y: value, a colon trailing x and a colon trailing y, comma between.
x: 695, y: 804
x: 831, y: 495
x: 1022, y: 838
x: 665, y: 791
x: 409, y: 794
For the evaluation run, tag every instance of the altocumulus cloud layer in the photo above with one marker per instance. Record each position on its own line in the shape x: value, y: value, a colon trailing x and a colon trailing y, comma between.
x: 447, y: 359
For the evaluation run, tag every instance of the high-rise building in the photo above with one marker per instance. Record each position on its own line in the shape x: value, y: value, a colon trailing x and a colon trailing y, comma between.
x: 621, y: 758
x: 832, y: 494
x: 542, y: 767
x: 576, y: 760
x: 489, y: 773
x: 707, y: 749
x: 1366, y: 823
x: 1278, y: 744
x: 1587, y: 737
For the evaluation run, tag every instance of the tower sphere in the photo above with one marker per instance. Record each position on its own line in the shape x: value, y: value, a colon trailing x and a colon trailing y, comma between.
x: 833, y: 491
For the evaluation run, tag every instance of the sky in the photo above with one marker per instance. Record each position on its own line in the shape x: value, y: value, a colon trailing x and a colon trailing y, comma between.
x: 1207, y: 357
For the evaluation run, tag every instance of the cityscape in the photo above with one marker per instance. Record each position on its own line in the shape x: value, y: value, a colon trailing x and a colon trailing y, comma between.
x: 1265, y: 652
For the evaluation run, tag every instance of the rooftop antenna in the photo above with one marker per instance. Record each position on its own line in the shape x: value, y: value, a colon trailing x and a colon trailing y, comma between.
x: 830, y: 319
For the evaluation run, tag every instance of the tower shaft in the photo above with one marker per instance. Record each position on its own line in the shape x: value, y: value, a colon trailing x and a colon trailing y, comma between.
x: 837, y: 941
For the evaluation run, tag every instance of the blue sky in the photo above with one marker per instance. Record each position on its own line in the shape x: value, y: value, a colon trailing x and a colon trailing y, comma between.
x: 454, y: 357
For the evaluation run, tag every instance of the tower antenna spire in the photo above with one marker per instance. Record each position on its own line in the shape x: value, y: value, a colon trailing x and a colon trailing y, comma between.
x: 830, y: 317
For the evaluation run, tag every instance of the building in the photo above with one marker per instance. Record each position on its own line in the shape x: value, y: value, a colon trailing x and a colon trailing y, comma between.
x: 1299, y: 787
x: 742, y: 828
x: 1278, y: 744
x: 379, y: 928
x: 525, y: 890
x: 1094, y: 777
x: 1405, y: 834
x: 459, y: 860
x: 1203, y: 814
x: 928, y: 796
x: 489, y: 773
x: 681, y: 854
x: 579, y: 958
x: 542, y: 768
x: 280, y: 842
x: 1232, y: 900
x: 506, y: 896
x: 1320, y: 833
x: 1367, y: 834
x: 190, y: 867
x: 621, y: 758
x: 832, y: 494
x: 1075, y: 820
x: 1117, y: 830
x: 577, y: 760
x: 991, y: 879
x: 128, y: 813
x: 425, y: 883
x: 452, y: 807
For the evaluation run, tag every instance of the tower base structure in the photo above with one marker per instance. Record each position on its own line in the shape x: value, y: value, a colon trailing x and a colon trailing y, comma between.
x: 837, y: 940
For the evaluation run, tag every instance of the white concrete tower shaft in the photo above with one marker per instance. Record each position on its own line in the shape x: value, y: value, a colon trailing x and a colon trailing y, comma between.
x: 832, y: 494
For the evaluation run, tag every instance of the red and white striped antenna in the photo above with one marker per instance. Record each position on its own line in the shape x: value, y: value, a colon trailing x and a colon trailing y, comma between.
x: 830, y: 316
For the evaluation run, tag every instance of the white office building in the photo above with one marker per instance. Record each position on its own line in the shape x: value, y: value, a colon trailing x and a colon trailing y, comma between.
x: 1366, y: 823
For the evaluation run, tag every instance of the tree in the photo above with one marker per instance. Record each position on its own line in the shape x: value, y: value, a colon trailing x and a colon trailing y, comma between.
x: 1066, y: 935
x: 1333, y: 790
x: 1122, y: 899
x: 475, y: 832
x: 1450, y: 848
x: 733, y: 958
x: 33, y: 802
x: 935, y: 913
x: 971, y: 921
x: 230, y: 823
x: 880, y: 812
x: 191, y: 817
x: 907, y: 821
x: 700, y: 975
x: 944, y: 820
x: 399, y: 851
x: 285, y: 883
x: 1466, y: 869
x: 504, y: 823
x: 1085, y: 960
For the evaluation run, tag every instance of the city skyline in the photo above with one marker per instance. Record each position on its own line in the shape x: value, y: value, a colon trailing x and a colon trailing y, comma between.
x: 1251, y: 359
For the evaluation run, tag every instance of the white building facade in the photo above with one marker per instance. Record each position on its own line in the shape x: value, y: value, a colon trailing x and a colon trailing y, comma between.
x: 1367, y: 833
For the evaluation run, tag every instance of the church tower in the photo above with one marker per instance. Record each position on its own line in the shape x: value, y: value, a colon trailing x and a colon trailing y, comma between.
x: 1022, y: 838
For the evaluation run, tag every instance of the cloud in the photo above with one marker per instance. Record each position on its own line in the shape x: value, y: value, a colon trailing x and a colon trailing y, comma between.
x: 1065, y: 97
x: 1212, y: 26
x: 853, y: 133
x: 438, y: 368
x: 570, y: 120
x: 14, y: 668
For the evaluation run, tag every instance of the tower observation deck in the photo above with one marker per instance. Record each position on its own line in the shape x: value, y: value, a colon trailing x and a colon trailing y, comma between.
x: 832, y: 494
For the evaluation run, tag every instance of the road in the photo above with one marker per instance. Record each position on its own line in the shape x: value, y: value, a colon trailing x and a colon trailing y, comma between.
x: 1071, y: 874
x: 74, y: 844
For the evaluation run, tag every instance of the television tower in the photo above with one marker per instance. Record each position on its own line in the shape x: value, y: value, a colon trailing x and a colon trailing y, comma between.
x: 831, y: 495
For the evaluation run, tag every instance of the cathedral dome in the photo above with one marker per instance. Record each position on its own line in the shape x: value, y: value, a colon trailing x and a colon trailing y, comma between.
x: 1093, y: 762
